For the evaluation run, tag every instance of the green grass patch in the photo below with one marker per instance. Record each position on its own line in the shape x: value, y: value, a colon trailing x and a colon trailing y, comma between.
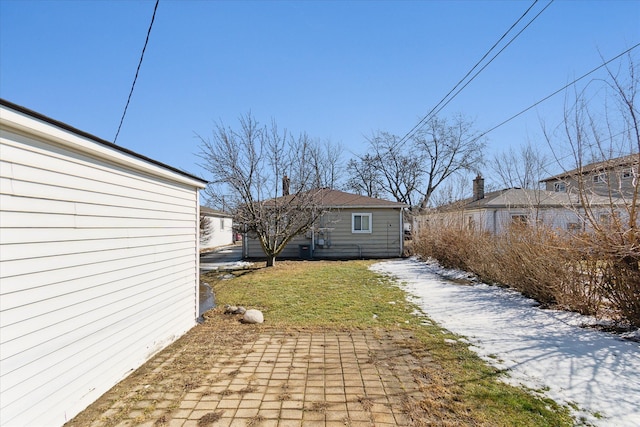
x: 344, y: 295
x: 318, y: 294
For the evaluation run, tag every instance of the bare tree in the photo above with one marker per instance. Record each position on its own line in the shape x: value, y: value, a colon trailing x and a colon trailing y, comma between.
x: 523, y: 168
x: 205, y: 229
x: 455, y: 189
x: 447, y: 147
x: 399, y: 172
x: 364, y: 176
x: 410, y: 173
x: 326, y: 159
x: 250, y: 165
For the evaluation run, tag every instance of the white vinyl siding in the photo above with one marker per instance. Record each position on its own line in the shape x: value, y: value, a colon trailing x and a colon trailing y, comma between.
x: 99, y: 271
x: 219, y: 232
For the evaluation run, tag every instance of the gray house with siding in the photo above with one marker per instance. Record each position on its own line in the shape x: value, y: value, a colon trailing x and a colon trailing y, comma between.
x: 98, y: 265
x: 617, y: 177
x: 351, y: 226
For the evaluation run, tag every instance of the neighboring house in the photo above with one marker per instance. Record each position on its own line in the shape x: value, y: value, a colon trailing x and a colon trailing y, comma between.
x: 216, y: 228
x: 98, y: 265
x: 496, y: 211
x: 618, y: 177
x: 352, y: 226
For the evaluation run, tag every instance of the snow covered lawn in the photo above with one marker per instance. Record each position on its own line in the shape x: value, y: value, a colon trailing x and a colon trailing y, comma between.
x: 595, y: 372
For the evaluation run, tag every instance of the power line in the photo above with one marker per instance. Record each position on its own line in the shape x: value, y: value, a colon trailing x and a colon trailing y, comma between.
x: 556, y: 92
x: 494, y: 57
x: 433, y: 110
x: 144, y: 48
x: 470, y: 71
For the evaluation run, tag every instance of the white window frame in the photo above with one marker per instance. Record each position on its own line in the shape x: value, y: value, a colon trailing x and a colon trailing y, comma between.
x: 599, y: 179
x: 560, y: 187
x: 520, y: 219
x: 361, y: 215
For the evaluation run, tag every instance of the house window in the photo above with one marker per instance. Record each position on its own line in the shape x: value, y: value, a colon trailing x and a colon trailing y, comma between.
x: 361, y: 223
x: 471, y: 223
x: 574, y: 226
x: 560, y: 187
x: 519, y: 220
x: 599, y: 179
x: 605, y: 219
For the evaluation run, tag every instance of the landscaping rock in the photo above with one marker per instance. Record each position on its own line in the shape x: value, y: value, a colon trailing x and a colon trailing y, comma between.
x: 253, y: 316
x: 232, y: 309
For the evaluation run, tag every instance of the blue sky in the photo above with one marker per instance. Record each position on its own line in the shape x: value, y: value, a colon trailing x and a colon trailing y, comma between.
x: 337, y: 70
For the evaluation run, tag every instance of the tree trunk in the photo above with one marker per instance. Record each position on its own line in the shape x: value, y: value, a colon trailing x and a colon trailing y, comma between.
x: 271, y: 260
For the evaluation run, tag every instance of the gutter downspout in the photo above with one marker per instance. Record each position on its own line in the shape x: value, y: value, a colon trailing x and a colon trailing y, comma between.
x: 495, y: 221
x: 313, y: 241
x: 401, y: 232
x: 245, y: 243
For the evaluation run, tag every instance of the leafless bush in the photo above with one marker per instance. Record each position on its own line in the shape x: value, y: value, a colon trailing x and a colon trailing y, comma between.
x: 616, y: 255
x: 557, y: 270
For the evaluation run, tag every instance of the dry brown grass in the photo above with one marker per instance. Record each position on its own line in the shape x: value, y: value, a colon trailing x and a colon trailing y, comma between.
x: 577, y: 272
x: 172, y: 377
x: 318, y: 407
x: 366, y: 402
x: 210, y: 418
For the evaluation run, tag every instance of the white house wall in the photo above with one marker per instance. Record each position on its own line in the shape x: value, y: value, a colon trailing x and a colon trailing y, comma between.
x: 498, y: 220
x: 99, y: 271
x: 217, y: 233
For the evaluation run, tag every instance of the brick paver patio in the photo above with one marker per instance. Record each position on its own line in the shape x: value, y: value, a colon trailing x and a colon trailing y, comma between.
x: 317, y: 378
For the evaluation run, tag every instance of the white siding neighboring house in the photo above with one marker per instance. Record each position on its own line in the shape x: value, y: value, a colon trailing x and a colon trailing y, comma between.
x: 216, y: 228
x: 496, y: 211
x: 98, y: 265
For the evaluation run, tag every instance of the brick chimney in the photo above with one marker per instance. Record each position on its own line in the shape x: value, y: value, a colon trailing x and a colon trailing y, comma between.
x: 478, y: 188
x: 286, y: 182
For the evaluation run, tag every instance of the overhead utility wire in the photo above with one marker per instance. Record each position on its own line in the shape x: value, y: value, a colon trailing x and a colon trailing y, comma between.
x: 144, y: 48
x: 491, y: 60
x: 430, y: 113
x: 425, y: 118
x: 555, y: 93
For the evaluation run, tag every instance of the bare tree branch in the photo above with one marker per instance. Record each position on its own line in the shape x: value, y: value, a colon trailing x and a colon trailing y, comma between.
x: 248, y: 166
x: 448, y: 147
x: 522, y: 169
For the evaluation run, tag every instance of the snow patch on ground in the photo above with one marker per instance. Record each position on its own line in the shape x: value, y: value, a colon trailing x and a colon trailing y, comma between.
x: 544, y: 350
x: 235, y: 265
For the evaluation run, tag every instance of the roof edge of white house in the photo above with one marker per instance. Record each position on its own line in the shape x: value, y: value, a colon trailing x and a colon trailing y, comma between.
x: 24, y: 121
x: 365, y: 206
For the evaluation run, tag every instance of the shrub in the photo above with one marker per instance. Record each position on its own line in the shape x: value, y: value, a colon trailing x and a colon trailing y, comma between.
x: 573, y: 272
